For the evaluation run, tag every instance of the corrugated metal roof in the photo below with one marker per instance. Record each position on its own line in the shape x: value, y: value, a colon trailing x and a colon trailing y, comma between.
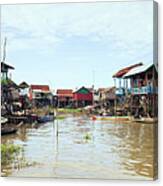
x: 6, y: 66
x: 83, y: 88
x: 23, y: 85
x: 138, y: 70
x: 65, y: 92
x: 40, y: 87
x: 125, y: 70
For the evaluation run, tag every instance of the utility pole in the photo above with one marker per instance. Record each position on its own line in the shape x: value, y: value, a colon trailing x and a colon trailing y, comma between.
x: 4, y: 50
x: 93, y: 77
x: 93, y: 81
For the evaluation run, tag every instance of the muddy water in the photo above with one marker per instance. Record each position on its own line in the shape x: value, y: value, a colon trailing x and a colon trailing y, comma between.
x: 83, y: 149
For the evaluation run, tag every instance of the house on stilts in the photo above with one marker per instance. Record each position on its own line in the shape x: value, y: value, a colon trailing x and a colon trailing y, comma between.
x: 122, y: 91
x: 64, y: 97
x: 144, y: 90
x: 40, y: 95
x: 83, y: 97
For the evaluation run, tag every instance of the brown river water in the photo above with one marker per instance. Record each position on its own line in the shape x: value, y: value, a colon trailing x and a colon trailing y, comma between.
x: 83, y: 149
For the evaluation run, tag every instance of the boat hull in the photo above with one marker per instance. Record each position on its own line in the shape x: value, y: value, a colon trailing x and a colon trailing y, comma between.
x: 8, y: 131
x: 44, y: 119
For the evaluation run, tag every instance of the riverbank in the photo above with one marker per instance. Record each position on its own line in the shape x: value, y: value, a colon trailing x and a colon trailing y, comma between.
x: 61, y: 113
x: 127, y: 119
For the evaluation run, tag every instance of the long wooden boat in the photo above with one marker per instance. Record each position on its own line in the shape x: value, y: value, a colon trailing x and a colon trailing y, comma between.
x: 5, y: 131
x: 111, y: 118
x: 145, y: 120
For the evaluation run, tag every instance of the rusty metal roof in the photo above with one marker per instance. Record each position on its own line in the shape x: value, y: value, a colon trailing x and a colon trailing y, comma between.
x: 40, y: 87
x: 125, y: 70
x: 65, y: 92
x: 138, y: 70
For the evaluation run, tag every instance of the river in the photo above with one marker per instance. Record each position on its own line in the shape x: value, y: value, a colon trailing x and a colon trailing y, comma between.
x: 83, y: 149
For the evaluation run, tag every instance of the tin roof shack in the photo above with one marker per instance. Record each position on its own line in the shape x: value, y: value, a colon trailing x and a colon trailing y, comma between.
x: 82, y: 97
x: 106, y: 94
x: 99, y: 95
x: 110, y: 97
x: 144, y: 94
x: 9, y: 91
x: 4, y: 70
x: 6, y: 83
x: 65, y: 97
x: 23, y: 92
x: 9, y: 97
x: 107, y: 99
x: 40, y: 95
x: 23, y: 88
x: 122, y: 89
x: 96, y: 97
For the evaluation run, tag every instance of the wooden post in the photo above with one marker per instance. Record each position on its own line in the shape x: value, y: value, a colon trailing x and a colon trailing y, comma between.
x: 55, y: 139
x: 115, y: 101
x: 56, y: 123
x: 115, y: 113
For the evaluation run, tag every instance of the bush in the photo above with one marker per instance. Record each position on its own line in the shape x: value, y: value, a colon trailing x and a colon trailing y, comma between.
x: 8, y: 151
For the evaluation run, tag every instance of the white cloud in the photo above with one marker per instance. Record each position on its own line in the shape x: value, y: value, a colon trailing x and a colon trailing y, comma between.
x: 128, y: 25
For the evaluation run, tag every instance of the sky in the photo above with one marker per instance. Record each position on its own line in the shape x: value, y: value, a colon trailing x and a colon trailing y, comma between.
x: 69, y: 45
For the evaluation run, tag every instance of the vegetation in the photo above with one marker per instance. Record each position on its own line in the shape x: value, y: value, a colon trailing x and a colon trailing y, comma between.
x: 8, y: 152
x: 60, y: 111
x: 7, y: 82
x: 60, y: 117
x: 42, y: 111
x: 69, y: 110
x: 87, y: 137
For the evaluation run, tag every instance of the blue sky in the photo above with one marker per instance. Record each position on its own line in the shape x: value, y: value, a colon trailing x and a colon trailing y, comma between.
x: 63, y: 45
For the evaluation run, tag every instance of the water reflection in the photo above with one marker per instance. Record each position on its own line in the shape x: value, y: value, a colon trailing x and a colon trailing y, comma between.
x: 111, y: 151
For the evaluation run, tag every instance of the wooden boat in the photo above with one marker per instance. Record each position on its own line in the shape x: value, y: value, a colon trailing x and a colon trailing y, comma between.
x: 44, y: 119
x: 5, y: 131
x: 16, y: 119
x: 145, y: 120
x: 4, y: 120
x: 110, y: 118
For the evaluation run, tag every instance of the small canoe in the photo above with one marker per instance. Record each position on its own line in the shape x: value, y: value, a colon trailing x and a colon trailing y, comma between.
x: 5, y: 131
x: 44, y: 119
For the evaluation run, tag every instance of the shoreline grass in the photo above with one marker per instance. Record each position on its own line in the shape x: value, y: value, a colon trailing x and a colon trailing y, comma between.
x: 8, y: 152
x: 69, y: 110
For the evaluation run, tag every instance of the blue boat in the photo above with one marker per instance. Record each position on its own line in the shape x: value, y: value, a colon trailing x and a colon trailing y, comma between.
x: 44, y: 119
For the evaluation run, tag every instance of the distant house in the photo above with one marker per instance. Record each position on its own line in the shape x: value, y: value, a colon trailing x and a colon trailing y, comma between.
x: 23, y: 88
x: 64, y: 97
x: 144, y: 85
x: 83, y: 97
x: 40, y: 95
x: 107, y: 96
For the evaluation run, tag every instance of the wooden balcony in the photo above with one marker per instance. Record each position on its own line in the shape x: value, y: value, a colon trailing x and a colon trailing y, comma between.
x: 144, y: 90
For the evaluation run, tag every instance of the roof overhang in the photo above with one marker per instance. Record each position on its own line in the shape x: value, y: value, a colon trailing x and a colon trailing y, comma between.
x: 138, y: 70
